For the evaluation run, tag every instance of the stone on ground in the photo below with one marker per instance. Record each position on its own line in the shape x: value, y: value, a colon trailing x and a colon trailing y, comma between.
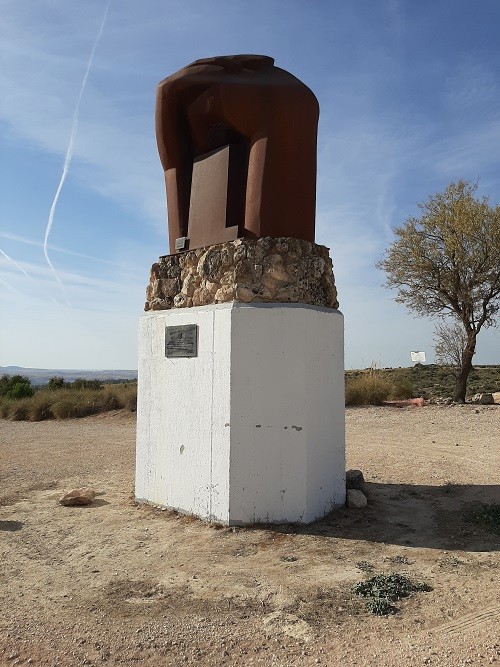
x: 354, y: 480
x: 483, y: 399
x: 356, y: 499
x: 83, y: 496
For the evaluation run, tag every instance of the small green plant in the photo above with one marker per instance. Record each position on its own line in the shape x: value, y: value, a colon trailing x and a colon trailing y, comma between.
x: 380, y: 606
x: 486, y: 516
x: 383, y: 589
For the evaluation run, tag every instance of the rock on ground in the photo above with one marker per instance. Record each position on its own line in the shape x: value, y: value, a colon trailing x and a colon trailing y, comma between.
x: 354, y: 480
x: 356, y: 499
x: 482, y: 399
x: 83, y: 496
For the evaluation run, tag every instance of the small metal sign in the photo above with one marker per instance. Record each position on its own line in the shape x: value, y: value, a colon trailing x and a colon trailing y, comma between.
x: 181, y: 243
x: 418, y: 357
x: 181, y: 341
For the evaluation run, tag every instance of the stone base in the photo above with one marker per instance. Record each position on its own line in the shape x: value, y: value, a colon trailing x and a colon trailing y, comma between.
x: 252, y: 428
x: 265, y: 270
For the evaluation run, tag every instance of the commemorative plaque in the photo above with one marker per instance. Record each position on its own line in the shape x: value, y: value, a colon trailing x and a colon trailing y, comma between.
x: 181, y: 341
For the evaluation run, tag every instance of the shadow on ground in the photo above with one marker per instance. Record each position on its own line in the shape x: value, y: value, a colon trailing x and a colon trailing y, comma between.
x: 409, y: 515
x: 11, y: 526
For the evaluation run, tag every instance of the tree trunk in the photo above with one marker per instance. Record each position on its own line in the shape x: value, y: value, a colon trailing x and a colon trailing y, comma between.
x: 466, y: 367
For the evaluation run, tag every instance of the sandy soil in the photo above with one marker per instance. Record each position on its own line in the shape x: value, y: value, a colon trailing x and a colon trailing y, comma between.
x: 119, y: 584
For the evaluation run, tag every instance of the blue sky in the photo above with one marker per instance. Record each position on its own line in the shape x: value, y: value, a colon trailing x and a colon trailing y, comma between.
x: 409, y: 97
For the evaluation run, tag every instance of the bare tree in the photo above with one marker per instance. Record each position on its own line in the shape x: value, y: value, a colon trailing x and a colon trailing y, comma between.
x: 450, y: 342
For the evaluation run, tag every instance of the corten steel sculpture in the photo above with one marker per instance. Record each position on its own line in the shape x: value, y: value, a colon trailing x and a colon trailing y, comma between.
x: 237, y: 141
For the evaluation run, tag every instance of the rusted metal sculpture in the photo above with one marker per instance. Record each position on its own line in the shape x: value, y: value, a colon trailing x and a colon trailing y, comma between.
x: 237, y: 141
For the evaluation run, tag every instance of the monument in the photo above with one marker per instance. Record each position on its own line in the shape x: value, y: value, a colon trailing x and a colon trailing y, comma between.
x: 240, y: 414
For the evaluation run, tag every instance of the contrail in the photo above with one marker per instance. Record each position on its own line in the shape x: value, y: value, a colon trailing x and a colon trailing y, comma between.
x: 4, y: 254
x: 69, y: 152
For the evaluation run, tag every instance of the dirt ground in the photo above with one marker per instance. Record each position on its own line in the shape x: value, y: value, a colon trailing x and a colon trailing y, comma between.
x: 120, y: 584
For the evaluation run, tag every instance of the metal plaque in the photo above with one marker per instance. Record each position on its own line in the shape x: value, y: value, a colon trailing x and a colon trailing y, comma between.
x: 181, y: 341
x: 181, y: 243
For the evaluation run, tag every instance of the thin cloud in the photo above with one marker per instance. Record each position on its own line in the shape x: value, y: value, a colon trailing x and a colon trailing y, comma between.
x: 466, y: 154
x: 63, y: 251
x: 9, y: 287
x: 23, y: 270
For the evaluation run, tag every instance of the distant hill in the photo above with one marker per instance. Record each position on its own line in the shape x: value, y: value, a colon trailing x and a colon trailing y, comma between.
x: 40, y: 376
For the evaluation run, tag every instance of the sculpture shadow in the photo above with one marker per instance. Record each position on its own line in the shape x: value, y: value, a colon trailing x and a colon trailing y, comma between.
x: 98, y: 502
x: 11, y: 526
x: 434, y: 517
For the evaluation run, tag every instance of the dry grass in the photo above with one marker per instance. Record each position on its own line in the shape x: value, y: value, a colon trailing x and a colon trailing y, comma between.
x: 432, y: 380
x: 373, y: 386
x: 70, y: 403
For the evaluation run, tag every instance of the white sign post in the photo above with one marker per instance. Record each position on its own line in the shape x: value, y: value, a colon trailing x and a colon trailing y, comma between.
x: 418, y: 357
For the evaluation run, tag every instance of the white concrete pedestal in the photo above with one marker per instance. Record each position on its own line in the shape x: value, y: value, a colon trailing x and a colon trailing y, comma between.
x: 252, y: 428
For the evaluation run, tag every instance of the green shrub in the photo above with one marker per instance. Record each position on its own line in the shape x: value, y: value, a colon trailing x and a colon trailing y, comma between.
x: 20, y: 390
x: 15, y: 387
x: 7, y: 382
x: 56, y: 383
x: 383, y: 589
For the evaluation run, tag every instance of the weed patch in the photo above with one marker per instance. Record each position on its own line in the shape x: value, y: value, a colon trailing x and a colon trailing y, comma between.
x: 365, y: 566
x: 382, y: 590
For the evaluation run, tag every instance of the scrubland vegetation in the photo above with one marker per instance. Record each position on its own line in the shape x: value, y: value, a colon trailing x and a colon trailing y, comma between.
x: 373, y: 386
x: 20, y: 401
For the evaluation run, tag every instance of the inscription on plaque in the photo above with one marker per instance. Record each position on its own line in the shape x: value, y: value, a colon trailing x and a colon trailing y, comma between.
x: 181, y: 341
x: 181, y: 243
